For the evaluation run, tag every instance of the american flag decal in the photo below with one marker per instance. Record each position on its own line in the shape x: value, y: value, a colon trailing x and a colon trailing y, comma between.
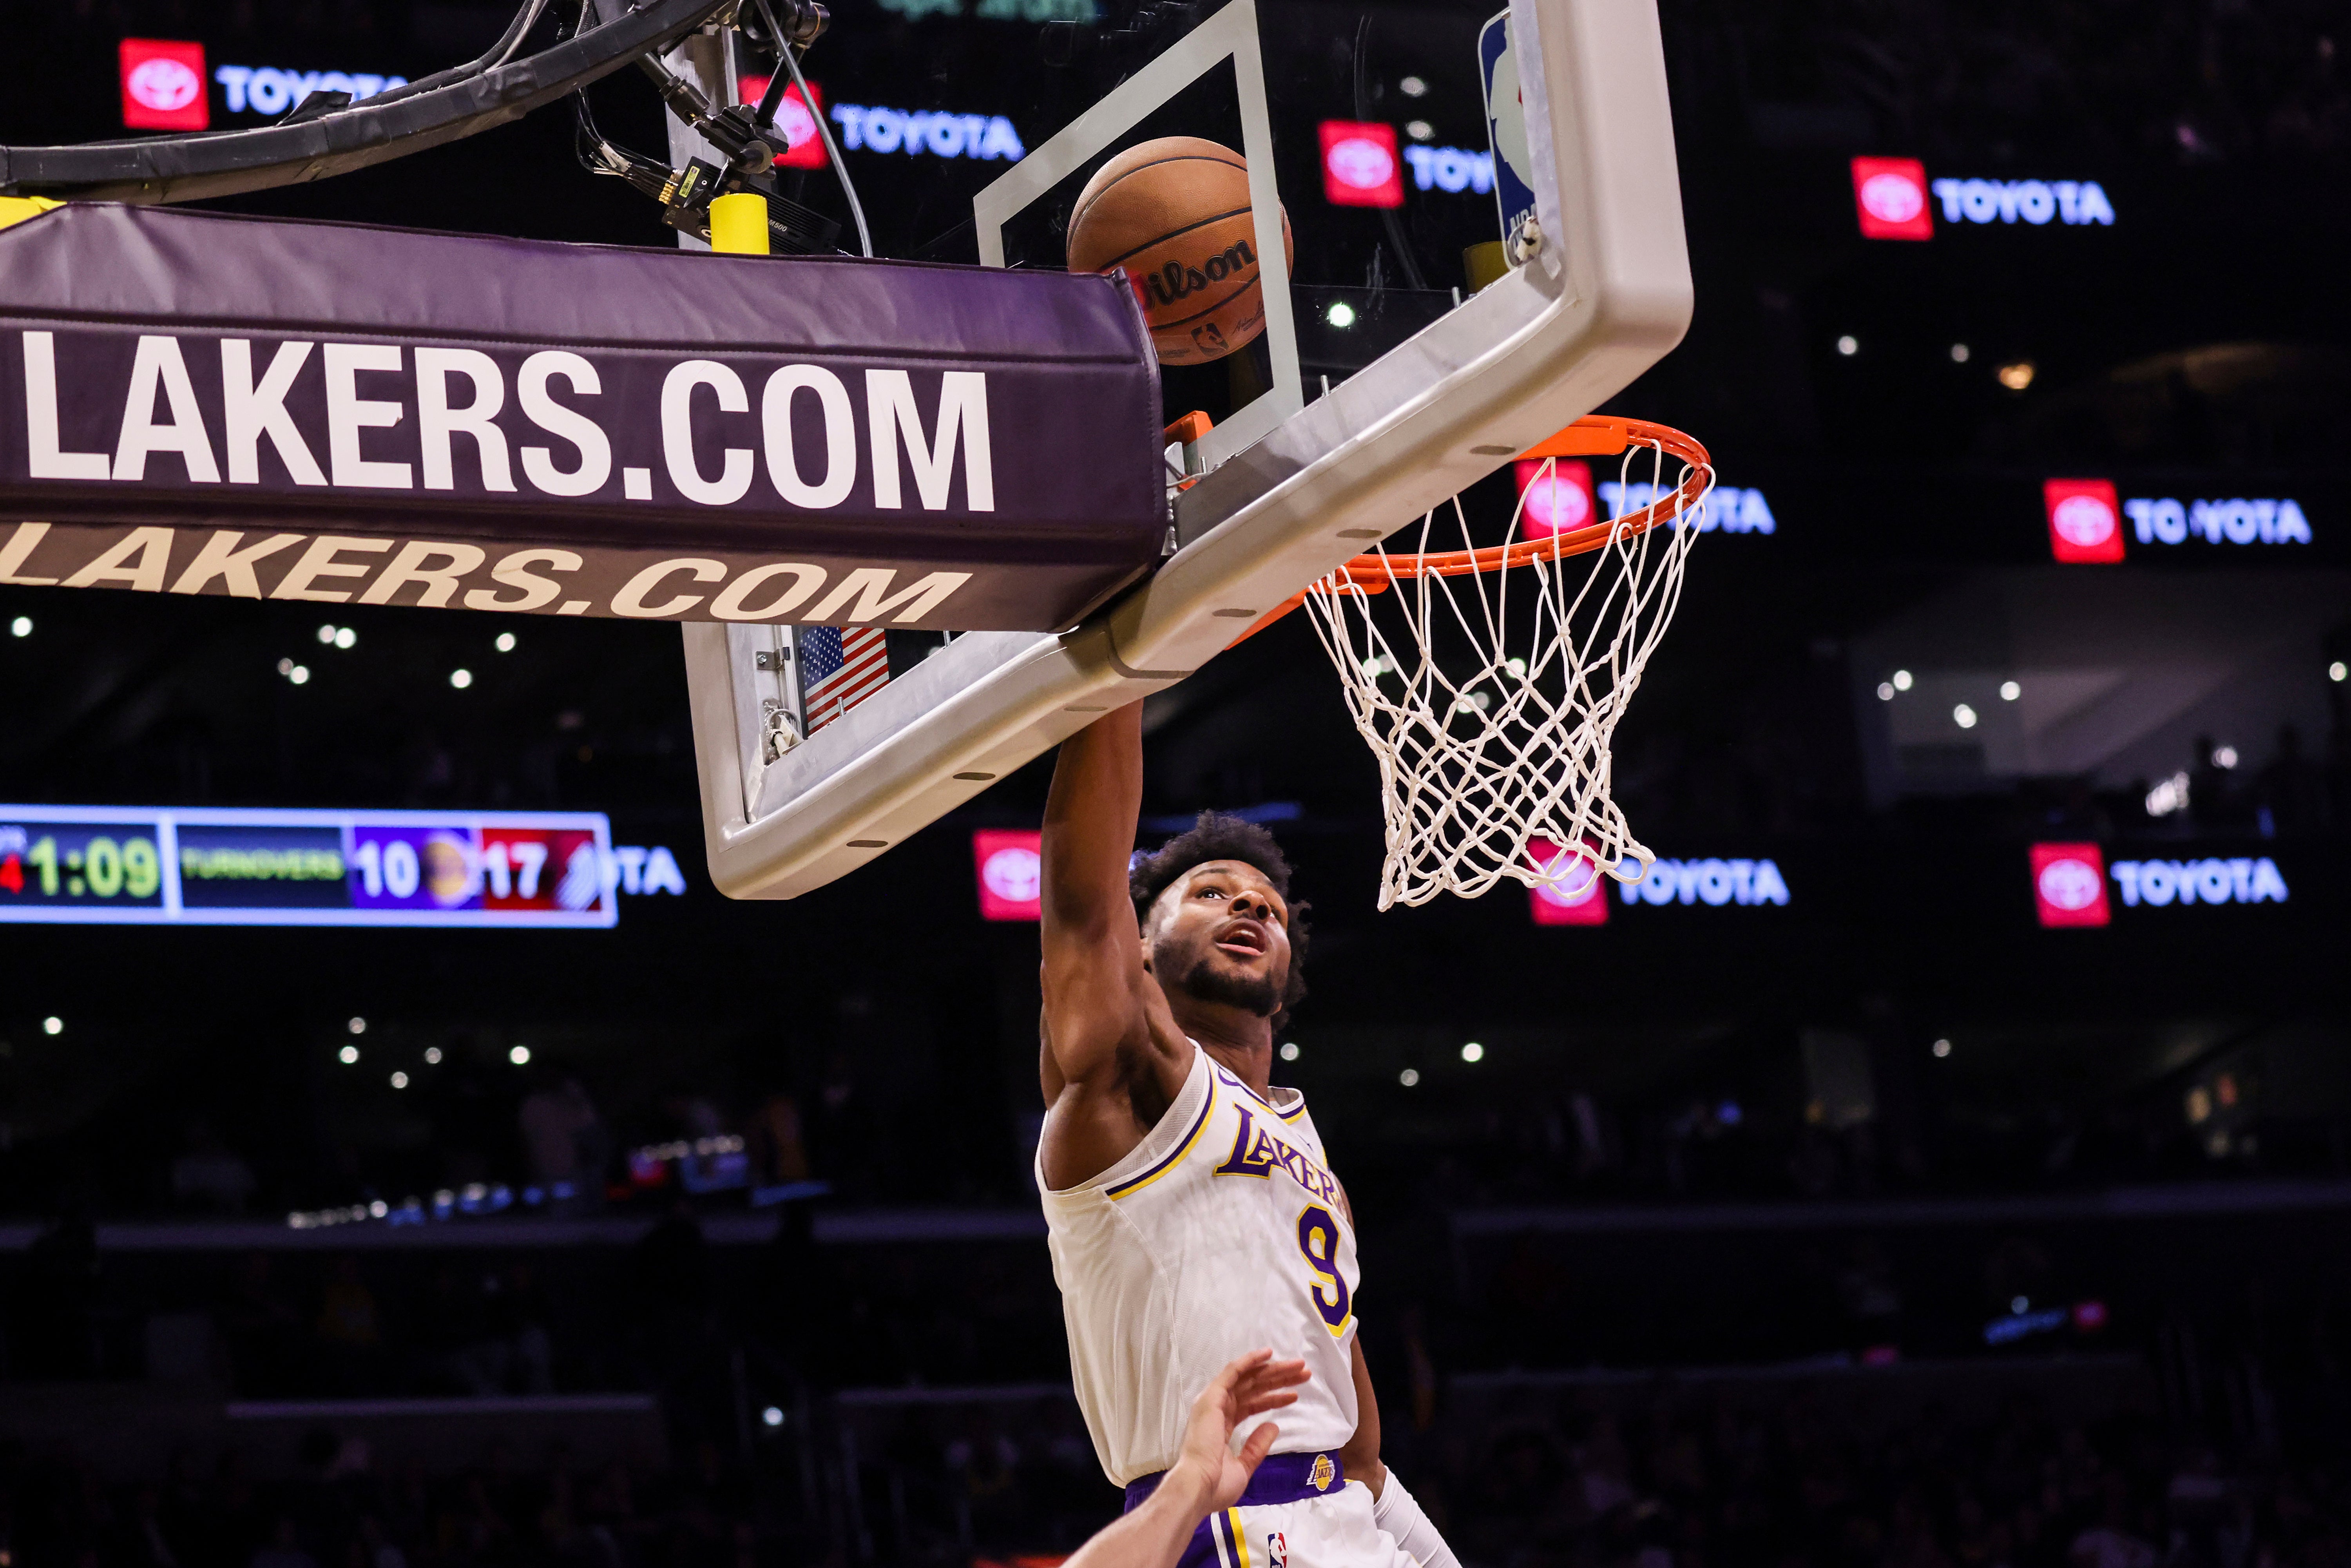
x: 840, y: 668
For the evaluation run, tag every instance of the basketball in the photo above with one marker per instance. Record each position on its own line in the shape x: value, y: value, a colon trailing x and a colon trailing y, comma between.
x: 1174, y: 212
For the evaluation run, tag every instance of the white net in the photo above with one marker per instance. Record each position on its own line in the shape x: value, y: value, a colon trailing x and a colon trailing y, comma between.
x: 1489, y: 682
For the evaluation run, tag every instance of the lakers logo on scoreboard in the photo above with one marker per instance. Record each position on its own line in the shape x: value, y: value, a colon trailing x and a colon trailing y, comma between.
x: 1321, y: 1473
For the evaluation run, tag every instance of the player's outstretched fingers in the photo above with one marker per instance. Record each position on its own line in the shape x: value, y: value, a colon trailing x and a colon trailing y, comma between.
x: 1265, y: 1383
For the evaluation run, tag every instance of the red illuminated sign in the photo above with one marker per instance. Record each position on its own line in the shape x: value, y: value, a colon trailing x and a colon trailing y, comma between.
x: 1010, y: 867
x: 2085, y: 519
x: 794, y: 119
x: 164, y: 86
x: 2069, y: 885
x: 1577, y: 896
x: 1360, y: 166
x: 1889, y: 195
x: 1559, y: 504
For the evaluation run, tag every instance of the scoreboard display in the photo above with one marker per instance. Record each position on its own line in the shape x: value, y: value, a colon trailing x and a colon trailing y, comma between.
x: 98, y: 865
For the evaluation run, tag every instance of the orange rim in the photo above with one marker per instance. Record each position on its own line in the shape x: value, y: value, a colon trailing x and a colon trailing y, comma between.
x: 1593, y: 435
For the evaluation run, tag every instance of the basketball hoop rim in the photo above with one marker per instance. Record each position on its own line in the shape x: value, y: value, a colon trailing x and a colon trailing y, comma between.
x: 1593, y: 435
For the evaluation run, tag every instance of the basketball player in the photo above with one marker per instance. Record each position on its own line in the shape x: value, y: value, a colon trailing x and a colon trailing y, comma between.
x: 1191, y: 1211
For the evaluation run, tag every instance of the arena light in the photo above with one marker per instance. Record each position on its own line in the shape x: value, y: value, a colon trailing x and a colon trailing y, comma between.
x: 23, y: 627
x: 2337, y: 671
x: 506, y: 642
x: 53, y: 1025
x: 519, y: 1056
x: 433, y: 1056
x: 357, y: 1026
x: 1942, y: 1048
x: 348, y: 1056
x: 1289, y: 1052
x: 1409, y: 1077
x: 2017, y: 375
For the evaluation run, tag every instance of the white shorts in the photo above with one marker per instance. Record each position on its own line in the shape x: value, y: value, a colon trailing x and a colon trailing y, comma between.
x: 1333, y: 1531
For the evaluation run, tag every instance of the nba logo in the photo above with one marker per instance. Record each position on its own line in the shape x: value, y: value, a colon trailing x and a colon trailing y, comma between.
x: 2069, y: 885
x: 1277, y: 1549
x: 1576, y: 893
x: 1889, y: 195
x: 2084, y: 520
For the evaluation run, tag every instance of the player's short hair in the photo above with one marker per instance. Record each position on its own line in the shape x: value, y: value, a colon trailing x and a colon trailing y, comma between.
x: 1217, y: 837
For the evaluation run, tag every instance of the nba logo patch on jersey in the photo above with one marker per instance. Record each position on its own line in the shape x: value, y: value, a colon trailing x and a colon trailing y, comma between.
x: 1277, y: 1549
x: 1321, y: 1473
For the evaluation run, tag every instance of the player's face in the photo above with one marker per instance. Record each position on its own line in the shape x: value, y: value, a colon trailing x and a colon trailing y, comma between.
x: 1221, y: 934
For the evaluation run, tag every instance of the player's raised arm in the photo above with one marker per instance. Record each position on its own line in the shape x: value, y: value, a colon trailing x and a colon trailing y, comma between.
x: 1093, y: 954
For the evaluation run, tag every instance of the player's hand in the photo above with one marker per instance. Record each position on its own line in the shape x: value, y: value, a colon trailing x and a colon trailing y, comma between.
x: 1248, y: 1386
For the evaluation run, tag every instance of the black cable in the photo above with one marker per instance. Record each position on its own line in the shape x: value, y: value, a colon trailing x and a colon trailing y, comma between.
x: 498, y: 54
x: 824, y: 134
x: 1388, y: 214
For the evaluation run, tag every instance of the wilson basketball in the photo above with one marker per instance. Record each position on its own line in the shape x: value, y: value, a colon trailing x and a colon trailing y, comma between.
x: 1174, y: 212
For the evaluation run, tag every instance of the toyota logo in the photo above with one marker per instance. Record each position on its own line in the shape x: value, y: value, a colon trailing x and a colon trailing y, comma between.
x: 2070, y: 884
x: 1555, y: 503
x: 1361, y: 162
x: 163, y: 85
x: 793, y: 119
x: 1576, y: 882
x: 1015, y: 875
x: 1892, y: 198
x: 2084, y: 520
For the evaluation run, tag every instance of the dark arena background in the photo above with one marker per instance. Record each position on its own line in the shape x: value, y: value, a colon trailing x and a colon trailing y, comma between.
x: 1861, y: 1191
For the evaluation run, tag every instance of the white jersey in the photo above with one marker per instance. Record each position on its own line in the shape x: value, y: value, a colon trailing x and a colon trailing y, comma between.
x: 1219, y: 1234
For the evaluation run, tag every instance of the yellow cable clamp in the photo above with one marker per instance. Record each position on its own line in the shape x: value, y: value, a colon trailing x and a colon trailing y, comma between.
x: 738, y: 224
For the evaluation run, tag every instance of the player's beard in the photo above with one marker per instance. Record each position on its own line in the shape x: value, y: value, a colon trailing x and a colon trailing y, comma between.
x: 1202, y: 981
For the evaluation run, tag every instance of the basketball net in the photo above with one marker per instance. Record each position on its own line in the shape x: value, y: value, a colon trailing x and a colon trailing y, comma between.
x: 1489, y: 682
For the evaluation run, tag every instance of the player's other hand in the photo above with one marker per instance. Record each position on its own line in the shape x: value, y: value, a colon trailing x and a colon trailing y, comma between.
x: 1248, y: 1386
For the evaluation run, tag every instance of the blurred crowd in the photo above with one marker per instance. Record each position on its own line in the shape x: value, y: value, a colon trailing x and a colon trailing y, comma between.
x: 1786, y: 1474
